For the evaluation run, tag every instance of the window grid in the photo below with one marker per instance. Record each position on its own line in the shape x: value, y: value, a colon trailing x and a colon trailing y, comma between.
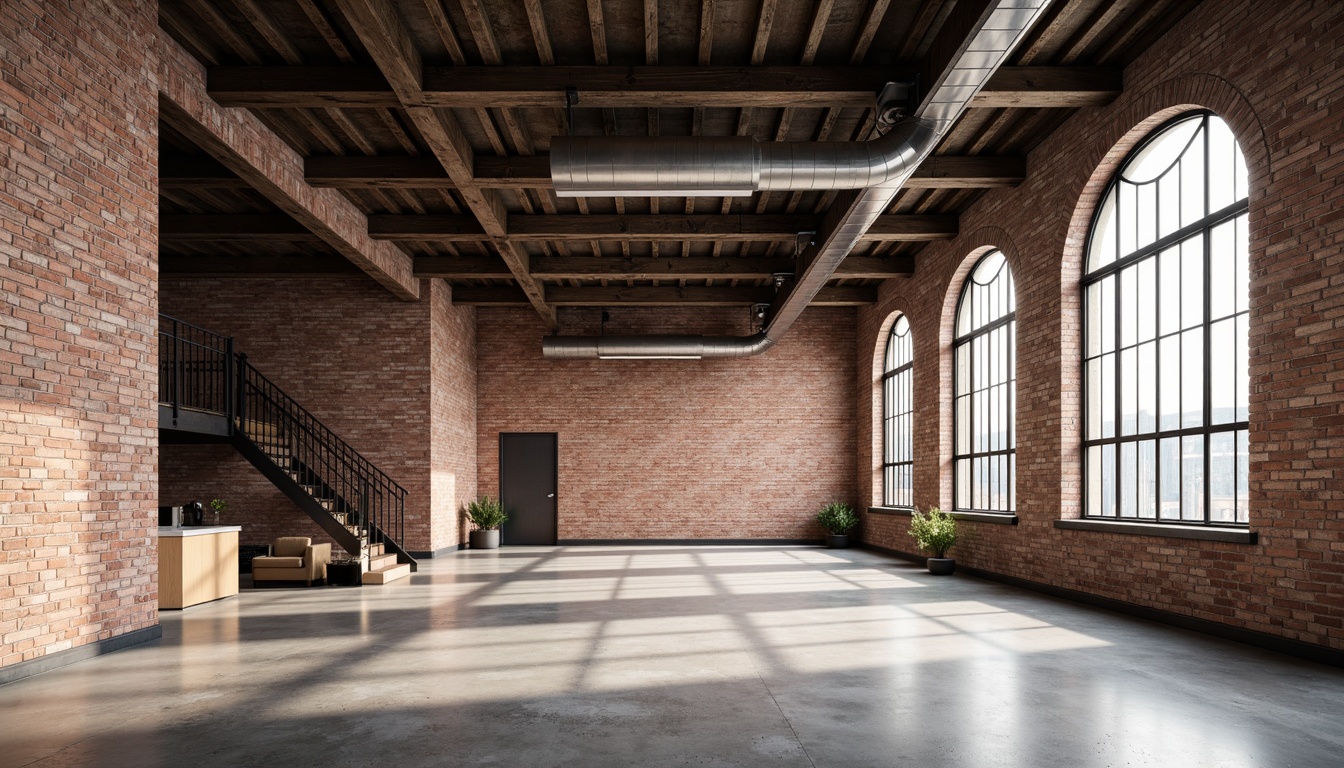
x: 1166, y: 380
x: 985, y: 390
x: 897, y: 418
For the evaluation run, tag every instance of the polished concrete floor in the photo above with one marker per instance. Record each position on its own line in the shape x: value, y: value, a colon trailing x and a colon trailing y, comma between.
x: 676, y: 656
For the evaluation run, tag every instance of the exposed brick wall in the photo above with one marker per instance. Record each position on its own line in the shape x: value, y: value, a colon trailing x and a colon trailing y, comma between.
x: 653, y: 449
x: 78, y: 233
x: 1273, y: 72
x: 355, y: 356
x: 453, y: 410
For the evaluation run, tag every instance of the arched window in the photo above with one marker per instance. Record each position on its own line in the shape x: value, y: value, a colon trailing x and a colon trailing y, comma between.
x: 984, y: 382
x: 898, y: 442
x: 1165, y: 298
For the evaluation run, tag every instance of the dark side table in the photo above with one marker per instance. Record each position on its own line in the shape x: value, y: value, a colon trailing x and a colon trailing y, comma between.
x: 345, y: 574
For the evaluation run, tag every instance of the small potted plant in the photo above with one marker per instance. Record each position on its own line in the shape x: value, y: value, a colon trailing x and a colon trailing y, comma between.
x: 935, y: 533
x: 487, y: 515
x: 838, y: 519
x: 218, y: 505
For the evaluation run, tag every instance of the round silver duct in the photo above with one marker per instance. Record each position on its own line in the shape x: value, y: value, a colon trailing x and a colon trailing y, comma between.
x: 652, y: 347
x: 732, y: 166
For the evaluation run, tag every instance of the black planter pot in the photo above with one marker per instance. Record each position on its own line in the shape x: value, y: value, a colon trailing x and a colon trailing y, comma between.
x: 837, y: 541
x: 941, y: 566
x: 484, y: 539
x: 346, y: 573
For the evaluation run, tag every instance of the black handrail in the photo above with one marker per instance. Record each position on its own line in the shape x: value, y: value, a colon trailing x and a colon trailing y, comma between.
x: 199, y: 370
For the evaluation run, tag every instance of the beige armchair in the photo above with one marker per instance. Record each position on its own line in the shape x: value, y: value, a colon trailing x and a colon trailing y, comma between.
x: 293, y: 558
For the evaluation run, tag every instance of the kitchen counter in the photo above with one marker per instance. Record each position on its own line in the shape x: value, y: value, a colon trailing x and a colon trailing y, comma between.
x: 197, y: 564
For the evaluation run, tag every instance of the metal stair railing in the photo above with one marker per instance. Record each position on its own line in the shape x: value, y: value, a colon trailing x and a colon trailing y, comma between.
x: 319, y: 458
x: 199, y: 370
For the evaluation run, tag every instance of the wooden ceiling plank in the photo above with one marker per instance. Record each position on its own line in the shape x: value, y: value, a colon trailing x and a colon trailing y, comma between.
x: 705, y: 49
x: 221, y: 26
x: 322, y: 23
x: 241, y: 142
x: 643, y: 86
x: 387, y: 41
x: 763, y: 228
x: 872, y: 19
x: 598, y: 27
x: 482, y: 32
x: 665, y: 296
x: 269, y: 32
x: 170, y: 18
x: 764, y: 22
x: 444, y: 28
x: 671, y: 268
x: 541, y: 36
x: 821, y: 15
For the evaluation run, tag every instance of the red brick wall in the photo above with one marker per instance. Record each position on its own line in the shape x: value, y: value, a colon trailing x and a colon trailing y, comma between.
x: 78, y: 236
x: 657, y: 449
x: 1273, y: 72
x: 453, y: 409
x: 355, y: 356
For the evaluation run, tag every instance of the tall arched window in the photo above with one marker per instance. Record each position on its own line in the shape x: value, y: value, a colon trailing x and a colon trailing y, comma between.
x: 1166, y: 297
x: 898, y: 443
x: 984, y: 382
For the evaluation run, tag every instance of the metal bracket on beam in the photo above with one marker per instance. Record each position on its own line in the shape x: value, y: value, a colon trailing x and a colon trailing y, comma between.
x: 571, y: 98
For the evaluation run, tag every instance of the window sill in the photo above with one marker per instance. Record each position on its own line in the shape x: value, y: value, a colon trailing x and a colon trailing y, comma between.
x: 974, y: 517
x: 1229, y: 535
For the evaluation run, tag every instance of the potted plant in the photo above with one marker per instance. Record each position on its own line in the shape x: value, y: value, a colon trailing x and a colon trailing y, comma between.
x: 218, y: 505
x: 837, y: 518
x: 935, y: 533
x: 487, y: 515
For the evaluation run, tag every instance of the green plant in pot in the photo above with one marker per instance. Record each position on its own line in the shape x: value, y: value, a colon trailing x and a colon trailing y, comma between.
x: 936, y: 533
x: 838, y: 519
x: 218, y: 505
x: 486, y: 514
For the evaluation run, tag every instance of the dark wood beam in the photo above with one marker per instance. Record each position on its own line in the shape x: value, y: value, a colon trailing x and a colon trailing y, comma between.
x: 681, y: 227
x: 677, y: 268
x: 178, y: 171
x: 388, y: 42
x: 425, y: 172
x: 253, y: 265
x: 648, y: 296
x: 247, y: 227
x: 243, y: 144
x: 1062, y: 87
x: 645, y: 86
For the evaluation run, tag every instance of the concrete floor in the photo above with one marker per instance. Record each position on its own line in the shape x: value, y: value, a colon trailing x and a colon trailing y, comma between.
x: 676, y: 656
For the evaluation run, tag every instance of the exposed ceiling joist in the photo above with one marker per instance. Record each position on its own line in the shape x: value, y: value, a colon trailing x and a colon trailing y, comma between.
x: 762, y: 228
x: 677, y: 268
x: 387, y: 41
x: 647, y: 86
x: 681, y: 227
x: 660, y: 296
x: 254, y: 153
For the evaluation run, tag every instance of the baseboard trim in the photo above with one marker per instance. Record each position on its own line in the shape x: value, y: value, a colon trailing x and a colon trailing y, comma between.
x: 70, y: 656
x: 429, y: 554
x: 1317, y: 653
x: 682, y: 542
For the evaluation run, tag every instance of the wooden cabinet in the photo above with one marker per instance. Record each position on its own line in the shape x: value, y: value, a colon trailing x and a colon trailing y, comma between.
x: 197, y: 565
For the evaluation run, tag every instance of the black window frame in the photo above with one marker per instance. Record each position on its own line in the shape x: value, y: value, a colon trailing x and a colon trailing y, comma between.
x: 1009, y: 367
x: 898, y: 389
x: 1202, y: 228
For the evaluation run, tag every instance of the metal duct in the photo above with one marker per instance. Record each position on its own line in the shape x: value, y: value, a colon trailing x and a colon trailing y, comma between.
x: 728, y: 166
x: 722, y: 167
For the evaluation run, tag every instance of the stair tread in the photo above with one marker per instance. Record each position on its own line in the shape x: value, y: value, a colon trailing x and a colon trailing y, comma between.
x: 386, y: 575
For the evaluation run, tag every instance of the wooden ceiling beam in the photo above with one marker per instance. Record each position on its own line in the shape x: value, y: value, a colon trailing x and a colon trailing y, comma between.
x: 257, y: 265
x: 386, y: 39
x: 660, y: 296
x: 247, y: 227
x: 243, y: 144
x: 672, y: 226
x: 473, y: 87
x: 675, y: 268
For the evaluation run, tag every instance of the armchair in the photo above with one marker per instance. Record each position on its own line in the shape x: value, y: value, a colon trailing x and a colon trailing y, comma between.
x: 293, y: 558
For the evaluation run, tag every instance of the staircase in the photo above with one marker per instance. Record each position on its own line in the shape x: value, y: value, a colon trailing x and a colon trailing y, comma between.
x: 206, y: 388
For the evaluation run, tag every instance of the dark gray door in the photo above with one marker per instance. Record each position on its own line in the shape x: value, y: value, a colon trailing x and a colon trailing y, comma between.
x: 528, y: 478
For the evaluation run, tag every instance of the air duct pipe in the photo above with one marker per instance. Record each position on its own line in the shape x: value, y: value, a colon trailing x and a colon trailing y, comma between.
x: 725, y: 167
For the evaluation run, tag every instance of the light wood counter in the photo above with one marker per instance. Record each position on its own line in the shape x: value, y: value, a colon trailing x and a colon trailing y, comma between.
x: 197, y: 564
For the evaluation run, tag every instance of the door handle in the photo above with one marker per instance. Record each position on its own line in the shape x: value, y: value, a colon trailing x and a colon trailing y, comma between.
x: 550, y: 495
